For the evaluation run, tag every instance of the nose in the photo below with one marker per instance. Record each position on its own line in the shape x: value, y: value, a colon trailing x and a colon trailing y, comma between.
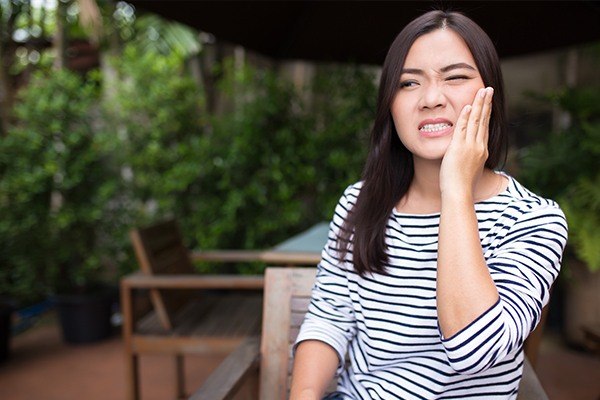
x: 432, y: 97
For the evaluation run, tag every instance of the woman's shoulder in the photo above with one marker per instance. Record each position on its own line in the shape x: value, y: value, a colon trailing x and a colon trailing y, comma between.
x: 351, y: 193
x: 525, y: 201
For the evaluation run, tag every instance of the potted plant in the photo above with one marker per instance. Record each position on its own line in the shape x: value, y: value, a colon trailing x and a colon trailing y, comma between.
x: 6, y: 309
x: 56, y: 164
x: 565, y: 167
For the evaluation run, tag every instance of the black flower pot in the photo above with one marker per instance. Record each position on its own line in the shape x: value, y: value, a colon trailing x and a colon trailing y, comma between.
x: 84, y: 318
x: 5, y: 328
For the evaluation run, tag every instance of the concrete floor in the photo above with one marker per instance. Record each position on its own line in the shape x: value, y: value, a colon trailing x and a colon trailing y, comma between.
x: 42, y: 367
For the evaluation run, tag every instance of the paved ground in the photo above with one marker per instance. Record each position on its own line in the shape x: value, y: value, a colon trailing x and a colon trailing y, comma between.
x: 43, y: 368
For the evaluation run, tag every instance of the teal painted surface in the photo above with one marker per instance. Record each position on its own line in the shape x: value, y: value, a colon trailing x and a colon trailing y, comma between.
x: 310, y: 241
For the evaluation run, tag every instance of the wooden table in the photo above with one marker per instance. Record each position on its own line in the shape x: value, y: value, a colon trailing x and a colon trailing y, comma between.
x: 301, y: 249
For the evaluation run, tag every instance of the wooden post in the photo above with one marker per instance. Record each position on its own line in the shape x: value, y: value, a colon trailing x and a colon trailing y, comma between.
x: 131, y: 359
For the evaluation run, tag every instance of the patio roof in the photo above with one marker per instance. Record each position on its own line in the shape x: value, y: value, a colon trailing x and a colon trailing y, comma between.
x: 361, y: 31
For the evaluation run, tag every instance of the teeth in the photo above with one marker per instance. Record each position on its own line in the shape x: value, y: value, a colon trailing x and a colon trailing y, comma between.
x: 434, y: 127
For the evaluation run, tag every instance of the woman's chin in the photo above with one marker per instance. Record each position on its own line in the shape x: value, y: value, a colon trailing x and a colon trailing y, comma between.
x: 432, y: 153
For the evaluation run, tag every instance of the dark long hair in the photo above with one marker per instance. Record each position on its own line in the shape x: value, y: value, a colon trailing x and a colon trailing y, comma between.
x: 389, y: 168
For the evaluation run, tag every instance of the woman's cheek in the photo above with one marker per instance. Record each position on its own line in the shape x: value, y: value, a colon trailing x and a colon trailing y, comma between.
x: 463, y: 94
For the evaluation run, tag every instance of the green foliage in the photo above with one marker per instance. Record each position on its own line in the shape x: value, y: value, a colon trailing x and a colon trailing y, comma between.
x: 278, y: 163
x: 144, y: 150
x: 566, y: 167
x: 158, y: 128
x: 158, y: 35
x: 55, y: 188
x: 342, y: 112
x: 248, y: 178
x: 582, y: 208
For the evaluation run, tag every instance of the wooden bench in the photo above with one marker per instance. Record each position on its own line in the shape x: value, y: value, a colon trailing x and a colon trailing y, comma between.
x: 261, y: 368
x: 189, y: 313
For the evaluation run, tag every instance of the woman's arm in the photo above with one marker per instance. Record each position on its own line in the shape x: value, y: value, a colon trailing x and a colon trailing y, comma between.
x: 329, y: 324
x: 315, y: 364
x: 465, y: 288
x: 488, y: 304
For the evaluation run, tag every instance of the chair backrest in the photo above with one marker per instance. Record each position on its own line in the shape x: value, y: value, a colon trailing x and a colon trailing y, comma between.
x: 160, y: 250
x: 286, y: 300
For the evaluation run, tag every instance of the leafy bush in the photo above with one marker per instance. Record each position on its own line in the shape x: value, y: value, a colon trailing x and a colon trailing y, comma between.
x: 278, y: 163
x: 81, y: 167
x: 158, y: 131
x: 55, y: 188
x: 248, y: 178
x: 566, y: 167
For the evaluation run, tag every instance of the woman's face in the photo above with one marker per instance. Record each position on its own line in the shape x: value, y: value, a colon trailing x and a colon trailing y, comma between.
x: 438, y: 79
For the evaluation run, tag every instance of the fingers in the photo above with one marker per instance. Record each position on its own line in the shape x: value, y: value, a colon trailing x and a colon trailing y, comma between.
x: 474, y: 119
x: 486, y: 111
x: 476, y: 114
x: 463, y: 122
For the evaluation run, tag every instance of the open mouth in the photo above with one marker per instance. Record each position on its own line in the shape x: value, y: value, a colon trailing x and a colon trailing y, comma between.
x: 433, y: 128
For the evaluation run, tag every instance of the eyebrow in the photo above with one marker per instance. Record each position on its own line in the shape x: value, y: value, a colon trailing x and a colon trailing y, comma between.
x: 445, y: 69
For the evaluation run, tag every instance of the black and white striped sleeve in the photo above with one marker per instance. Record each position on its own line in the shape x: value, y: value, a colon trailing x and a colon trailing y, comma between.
x: 330, y: 316
x: 523, y: 265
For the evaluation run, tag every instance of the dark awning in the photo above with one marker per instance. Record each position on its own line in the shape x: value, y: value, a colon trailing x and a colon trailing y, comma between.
x: 361, y: 31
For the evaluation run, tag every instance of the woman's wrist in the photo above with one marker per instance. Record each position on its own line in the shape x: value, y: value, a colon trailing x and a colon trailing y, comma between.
x: 457, y: 196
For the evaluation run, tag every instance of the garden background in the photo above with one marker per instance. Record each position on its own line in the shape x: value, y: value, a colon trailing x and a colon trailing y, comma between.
x: 112, y: 118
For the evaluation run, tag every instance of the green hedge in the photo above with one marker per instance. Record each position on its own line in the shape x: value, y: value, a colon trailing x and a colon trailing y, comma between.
x: 56, y: 184
x: 143, y: 150
x: 565, y: 166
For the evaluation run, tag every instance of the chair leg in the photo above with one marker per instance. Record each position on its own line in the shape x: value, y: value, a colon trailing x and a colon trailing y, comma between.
x: 250, y: 389
x: 180, y: 372
x: 132, y: 376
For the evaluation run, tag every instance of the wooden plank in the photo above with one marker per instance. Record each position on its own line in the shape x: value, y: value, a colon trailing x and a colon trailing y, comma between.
x: 300, y: 303
x: 179, y: 324
x: 131, y: 360
x: 272, y: 257
x: 226, y: 255
x: 274, y: 346
x: 285, y: 289
x: 291, y: 258
x: 145, y: 266
x: 148, y: 243
x: 192, y: 345
x: 195, y: 281
x: 225, y: 317
x: 224, y: 382
x: 303, y: 281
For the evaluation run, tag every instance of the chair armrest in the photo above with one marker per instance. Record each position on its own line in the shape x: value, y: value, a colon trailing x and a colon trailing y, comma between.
x: 226, y: 255
x: 530, y: 387
x: 229, y: 376
x: 143, y: 281
x: 268, y: 256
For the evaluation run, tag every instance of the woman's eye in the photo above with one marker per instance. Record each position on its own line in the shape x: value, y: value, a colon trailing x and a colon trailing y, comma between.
x: 407, y: 84
x: 457, y: 78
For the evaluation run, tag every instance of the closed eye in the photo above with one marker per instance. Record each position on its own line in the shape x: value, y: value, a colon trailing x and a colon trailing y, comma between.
x: 408, y: 84
x: 457, y: 77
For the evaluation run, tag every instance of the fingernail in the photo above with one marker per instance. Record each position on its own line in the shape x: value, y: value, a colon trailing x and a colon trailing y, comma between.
x: 481, y: 92
x: 490, y: 90
x: 468, y: 108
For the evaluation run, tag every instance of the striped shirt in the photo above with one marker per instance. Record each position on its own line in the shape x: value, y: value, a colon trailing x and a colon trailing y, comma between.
x: 387, y: 324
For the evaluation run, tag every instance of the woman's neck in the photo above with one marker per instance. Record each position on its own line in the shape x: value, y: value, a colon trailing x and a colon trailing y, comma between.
x: 424, y: 196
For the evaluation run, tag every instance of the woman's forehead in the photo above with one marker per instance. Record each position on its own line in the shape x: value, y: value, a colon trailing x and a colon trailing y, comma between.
x: 437, y: 50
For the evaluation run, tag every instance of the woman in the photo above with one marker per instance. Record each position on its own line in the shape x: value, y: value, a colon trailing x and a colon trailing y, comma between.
x: 437, y: 267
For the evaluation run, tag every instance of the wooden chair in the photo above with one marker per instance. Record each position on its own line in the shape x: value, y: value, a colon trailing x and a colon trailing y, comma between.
x: 268, y: 361
x: 189, y: 313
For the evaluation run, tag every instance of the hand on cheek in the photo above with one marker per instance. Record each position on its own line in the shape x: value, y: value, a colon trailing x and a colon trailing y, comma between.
x: 467, y: 152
